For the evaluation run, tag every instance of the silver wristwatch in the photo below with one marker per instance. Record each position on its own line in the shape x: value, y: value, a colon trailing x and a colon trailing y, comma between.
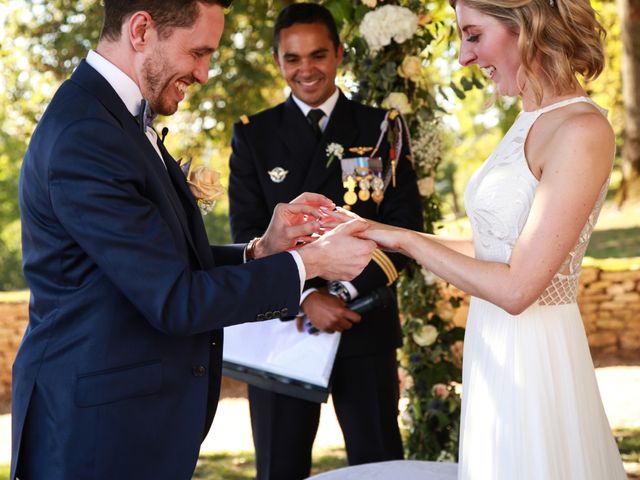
x: 338, y: 289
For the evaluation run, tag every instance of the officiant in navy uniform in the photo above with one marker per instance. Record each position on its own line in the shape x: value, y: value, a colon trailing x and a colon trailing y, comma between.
x: 277, y: 154
x: 118, y: 374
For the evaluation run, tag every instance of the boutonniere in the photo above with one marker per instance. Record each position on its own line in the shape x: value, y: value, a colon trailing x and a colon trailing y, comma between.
x: 204, y: 185
x: 334, y: 150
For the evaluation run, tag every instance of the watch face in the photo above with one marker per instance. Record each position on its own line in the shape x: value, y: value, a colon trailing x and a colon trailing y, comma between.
x: 339, y: 290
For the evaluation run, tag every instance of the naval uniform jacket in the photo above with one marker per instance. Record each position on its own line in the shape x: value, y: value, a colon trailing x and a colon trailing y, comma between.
x: 282, y: 137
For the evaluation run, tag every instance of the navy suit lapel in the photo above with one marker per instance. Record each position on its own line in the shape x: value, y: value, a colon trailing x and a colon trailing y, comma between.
x: 176, y: 190
x: 186, y: 208
x: 342, y: 129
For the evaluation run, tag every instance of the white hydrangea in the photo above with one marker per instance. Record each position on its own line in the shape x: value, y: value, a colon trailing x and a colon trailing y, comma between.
x: 389, y: 22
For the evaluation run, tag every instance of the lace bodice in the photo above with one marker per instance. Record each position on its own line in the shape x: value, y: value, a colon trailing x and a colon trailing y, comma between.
x: 498, y: 200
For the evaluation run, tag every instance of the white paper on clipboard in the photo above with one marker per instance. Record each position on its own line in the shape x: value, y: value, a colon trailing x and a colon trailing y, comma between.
x: 277, y: 347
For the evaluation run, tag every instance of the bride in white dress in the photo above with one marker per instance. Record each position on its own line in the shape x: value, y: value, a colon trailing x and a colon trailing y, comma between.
x: 531, y: 407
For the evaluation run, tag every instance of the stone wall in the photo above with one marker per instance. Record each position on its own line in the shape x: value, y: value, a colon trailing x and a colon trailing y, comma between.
x: 609, y: 302
x: 610, y: 307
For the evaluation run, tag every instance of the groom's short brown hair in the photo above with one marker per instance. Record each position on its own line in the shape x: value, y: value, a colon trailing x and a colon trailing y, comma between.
x: 166, y: 14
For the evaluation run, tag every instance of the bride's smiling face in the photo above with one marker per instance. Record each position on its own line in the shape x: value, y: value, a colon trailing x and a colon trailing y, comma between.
x: 490, y: 44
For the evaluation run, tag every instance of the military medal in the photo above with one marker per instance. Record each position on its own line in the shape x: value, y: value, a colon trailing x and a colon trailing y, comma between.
x: 350, y: 197
x: 378, y: 185
x: 278, y: 174
x: 364, y: 186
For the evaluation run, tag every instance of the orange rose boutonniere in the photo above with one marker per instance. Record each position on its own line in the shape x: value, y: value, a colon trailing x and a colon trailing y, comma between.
x: 205, y: 186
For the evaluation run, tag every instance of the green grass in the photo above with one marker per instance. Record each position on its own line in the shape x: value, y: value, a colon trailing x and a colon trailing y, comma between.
x: 628, y: 440
x: 615, y: 243
x: 241, y: 466
x: 14, y: 296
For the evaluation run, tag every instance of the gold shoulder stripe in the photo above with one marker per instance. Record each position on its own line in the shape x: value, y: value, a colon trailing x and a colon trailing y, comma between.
x: 386, y: 265
x: 244, y: 119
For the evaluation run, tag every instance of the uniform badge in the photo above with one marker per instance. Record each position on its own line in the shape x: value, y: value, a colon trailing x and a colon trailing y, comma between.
x: 278, y: 174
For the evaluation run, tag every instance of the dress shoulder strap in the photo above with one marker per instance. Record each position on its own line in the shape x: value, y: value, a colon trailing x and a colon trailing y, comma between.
x: 569, y: 101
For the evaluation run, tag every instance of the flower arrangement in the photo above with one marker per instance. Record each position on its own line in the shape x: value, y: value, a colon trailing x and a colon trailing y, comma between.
x: 390, y: 57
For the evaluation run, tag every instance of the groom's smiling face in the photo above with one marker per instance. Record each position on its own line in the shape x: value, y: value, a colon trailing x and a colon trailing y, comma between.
x: 180, y: 58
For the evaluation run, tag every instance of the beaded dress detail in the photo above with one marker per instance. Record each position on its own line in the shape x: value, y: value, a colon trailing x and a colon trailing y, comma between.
x: 531, y: 408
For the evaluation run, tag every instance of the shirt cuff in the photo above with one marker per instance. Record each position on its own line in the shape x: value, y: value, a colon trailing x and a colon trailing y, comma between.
x: 306, y: 293
x: 301, y: 270
x: 353, y: 291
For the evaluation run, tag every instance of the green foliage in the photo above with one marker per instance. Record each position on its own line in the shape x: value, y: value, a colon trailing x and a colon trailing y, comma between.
x: 628, y: 441
x: 241, y: 465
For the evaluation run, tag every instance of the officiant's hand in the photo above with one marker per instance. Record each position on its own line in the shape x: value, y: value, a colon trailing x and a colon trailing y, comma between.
x: 328, y: 313
x: 294, y: 223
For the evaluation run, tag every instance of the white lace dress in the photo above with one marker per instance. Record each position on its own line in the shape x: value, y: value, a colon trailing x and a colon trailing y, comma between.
x: 531, y: 409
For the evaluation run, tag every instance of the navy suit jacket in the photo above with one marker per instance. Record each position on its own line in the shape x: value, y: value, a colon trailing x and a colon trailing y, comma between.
x: 282, y: 137
x: 118, y: 373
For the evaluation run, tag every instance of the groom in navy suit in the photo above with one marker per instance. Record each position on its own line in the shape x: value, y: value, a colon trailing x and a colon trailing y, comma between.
x: 118, y: 374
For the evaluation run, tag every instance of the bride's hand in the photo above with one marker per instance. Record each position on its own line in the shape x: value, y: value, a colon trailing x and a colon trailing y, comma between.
x: 387, y: 237
x: 337, y: 216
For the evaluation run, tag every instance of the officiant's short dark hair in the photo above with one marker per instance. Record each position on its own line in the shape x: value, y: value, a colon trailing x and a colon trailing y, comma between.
x: 305, y: 13
x: 166, y: 14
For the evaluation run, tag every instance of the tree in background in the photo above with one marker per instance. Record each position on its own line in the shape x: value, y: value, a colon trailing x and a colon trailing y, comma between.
x: 630, y: 21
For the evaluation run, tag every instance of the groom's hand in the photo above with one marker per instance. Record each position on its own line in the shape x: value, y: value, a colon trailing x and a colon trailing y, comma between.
x: 293, y: 223
x: 338, y: 254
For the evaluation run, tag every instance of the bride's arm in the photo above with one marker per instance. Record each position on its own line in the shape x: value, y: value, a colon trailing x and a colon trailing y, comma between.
x: 460, y: 245
x: 573, y: 176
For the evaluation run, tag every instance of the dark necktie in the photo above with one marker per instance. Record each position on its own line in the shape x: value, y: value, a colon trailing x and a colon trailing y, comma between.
x: 314, y: 116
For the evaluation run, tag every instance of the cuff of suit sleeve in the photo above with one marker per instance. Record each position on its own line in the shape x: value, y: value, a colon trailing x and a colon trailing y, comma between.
x: 301, y: 270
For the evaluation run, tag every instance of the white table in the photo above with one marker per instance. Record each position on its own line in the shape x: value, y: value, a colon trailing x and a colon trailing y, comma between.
x: 394, y: 470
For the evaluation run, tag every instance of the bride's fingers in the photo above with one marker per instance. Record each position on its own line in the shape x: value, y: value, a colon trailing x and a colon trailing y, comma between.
x: 343, y: 215
x: 330, y: 225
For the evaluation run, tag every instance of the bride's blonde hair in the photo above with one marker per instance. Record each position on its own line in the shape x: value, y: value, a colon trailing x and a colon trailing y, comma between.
x: 560, y: 37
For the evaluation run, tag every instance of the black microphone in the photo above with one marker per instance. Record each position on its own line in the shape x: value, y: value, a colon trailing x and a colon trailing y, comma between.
x: 163, y: 134
x: 381, y: 297
x: 378, y: 298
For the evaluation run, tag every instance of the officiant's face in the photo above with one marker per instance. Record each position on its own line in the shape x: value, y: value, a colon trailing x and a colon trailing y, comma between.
x: 308, y: 61
x: 181, y: 58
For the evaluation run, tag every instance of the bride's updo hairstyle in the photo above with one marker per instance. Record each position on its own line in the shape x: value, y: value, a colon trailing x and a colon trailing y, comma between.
x: 561, y: 38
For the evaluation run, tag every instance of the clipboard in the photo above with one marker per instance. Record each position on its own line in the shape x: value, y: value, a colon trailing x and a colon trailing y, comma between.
x: 273, y: 355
